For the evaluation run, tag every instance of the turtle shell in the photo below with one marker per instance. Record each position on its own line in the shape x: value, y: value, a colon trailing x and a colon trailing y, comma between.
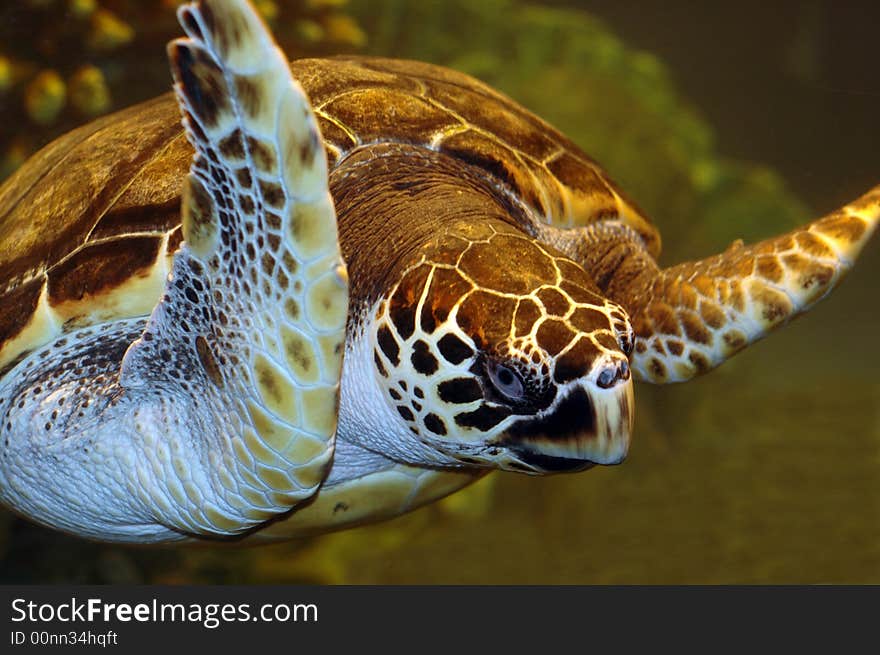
x: 87, y: 225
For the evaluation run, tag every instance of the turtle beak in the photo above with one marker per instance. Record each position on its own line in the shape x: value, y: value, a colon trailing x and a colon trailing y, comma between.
x: 589, y: 425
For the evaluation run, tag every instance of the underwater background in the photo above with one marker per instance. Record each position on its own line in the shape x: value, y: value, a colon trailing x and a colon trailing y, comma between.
x: 723, y: 121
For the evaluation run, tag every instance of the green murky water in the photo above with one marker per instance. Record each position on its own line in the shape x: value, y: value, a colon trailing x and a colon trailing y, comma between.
x: 724, y: 123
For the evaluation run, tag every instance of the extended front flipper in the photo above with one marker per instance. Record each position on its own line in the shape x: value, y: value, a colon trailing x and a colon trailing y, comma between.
x: 691, y: 317
x: 248, y: 338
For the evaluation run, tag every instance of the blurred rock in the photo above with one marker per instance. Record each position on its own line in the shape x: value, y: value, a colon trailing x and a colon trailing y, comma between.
x: 44, y: 97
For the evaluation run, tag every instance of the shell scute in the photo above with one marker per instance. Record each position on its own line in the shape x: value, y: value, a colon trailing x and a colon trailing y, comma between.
x: 496, y: 117
x: 369, y: 112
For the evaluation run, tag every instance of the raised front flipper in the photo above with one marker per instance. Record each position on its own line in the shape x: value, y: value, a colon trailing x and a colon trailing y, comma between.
x: 691, y: 317
x: 222, y: 411
x: 250, y: 331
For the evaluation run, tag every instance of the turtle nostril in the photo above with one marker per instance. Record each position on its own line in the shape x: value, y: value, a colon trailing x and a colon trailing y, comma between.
x: 606, y: 378
x: 612, y: 374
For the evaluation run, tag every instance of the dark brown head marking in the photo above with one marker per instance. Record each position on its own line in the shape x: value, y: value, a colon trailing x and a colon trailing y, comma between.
x: 453, y: 349
x: 423, y: 360
x: 460, y: 390
x: 404, y: 301
x: 388, y: 344
x: 435, y: 424
x: 484, y: 418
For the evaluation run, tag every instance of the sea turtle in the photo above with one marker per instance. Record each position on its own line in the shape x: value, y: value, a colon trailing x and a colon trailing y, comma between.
x: 368, y: 291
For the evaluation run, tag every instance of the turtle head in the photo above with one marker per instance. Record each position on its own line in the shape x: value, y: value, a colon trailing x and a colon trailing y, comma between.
x: 499, y: 352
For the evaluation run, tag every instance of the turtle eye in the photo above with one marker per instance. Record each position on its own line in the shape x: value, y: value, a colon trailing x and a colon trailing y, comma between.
x: 506, y: 381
